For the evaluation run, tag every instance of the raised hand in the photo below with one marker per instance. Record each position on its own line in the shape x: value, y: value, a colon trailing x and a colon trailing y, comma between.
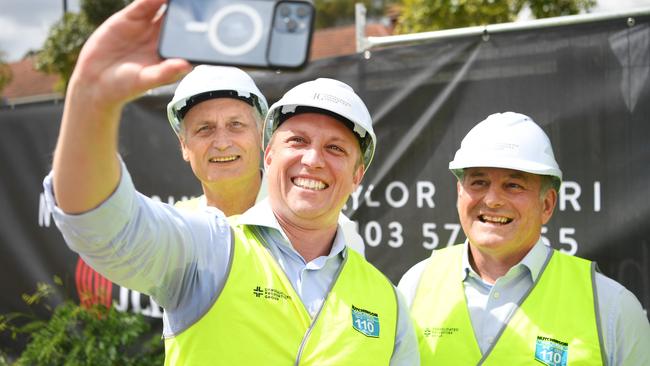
x: 118, y: 63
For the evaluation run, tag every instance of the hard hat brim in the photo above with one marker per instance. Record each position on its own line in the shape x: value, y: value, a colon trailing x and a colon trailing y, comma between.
x: 505, y: 163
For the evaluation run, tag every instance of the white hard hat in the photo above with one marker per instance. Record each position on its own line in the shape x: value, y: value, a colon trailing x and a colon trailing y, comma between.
x: 507, y: 140
x: 208, y: 82
x: 330, y: 97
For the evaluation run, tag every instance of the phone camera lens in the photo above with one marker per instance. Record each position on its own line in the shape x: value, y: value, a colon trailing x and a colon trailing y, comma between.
x: 302, y: 11
x: 285, y: 10
x: 292, y: 25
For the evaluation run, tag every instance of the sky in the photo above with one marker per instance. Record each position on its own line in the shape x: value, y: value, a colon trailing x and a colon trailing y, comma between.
x: 25, y: 23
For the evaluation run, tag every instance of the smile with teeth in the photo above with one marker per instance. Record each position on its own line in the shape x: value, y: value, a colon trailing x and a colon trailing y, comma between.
x: 314, y: 185
x: 224, y: 159
x: 494, y: 219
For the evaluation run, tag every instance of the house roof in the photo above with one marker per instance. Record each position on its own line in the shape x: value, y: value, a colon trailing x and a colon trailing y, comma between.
x: 341, y: 41
x: 29, y: 84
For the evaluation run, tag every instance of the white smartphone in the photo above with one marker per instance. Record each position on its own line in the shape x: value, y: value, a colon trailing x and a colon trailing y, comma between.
x: 249, y: 33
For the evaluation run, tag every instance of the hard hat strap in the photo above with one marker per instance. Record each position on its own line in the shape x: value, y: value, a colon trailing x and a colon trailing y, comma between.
x: 363, y: 141
x: 202, y: 97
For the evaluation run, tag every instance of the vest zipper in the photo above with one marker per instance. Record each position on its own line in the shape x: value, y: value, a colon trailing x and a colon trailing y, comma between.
x: 260, y: 237
x: 313, y: 323
x: 512, y: 313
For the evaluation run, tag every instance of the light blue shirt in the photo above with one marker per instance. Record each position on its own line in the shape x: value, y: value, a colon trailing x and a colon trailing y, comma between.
x: 625, y: 326
x: 134, y: 241
x: 349, y: 227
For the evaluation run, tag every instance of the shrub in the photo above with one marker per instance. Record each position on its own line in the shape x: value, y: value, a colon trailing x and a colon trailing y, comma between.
x: 76, y: 335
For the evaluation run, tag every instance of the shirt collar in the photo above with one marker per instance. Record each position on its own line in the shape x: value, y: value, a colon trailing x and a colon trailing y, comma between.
x: 262, y: 215
x: 203, y: 202
x: 534, y: 260
x: 467, y: 269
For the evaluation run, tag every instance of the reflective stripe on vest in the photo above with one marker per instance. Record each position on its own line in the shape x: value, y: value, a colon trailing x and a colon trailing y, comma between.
x: 259, y: 319
x: 555, y: 324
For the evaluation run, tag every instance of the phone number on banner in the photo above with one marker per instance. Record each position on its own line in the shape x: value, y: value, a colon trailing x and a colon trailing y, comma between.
x: 434, y: 236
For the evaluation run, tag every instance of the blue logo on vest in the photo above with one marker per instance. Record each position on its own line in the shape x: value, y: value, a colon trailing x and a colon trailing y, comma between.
x: 551, y: 352
x: 365, y: 322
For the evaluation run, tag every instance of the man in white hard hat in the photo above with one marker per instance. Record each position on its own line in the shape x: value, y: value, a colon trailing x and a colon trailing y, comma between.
x: 503, y: 297
x: 217, y: 113
x: 275, y: 285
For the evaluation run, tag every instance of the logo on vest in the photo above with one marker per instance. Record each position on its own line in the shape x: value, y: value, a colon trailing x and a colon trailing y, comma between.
x: 551, y: 352
x: 365, y: 322
x: 438, y: 332
x: 270, y: 293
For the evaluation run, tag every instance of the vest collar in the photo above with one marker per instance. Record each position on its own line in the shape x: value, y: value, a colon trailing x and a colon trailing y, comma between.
x: 262, y: 215
x: 533, y: 261
x: 536, y: 258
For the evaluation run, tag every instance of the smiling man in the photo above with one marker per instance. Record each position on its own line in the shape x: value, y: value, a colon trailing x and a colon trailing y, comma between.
x: 503, y: 297
x: 321, y: 303
x: 217, y: 113
x: 273, y: 286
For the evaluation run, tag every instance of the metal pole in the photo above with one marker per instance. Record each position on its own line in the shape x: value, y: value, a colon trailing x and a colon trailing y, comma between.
x: 360, y: 26
x: 373, y: 42
x: 65, y: 6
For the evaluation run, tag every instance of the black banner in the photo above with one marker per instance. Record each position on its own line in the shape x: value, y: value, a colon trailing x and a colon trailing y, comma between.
x: 587, y: 86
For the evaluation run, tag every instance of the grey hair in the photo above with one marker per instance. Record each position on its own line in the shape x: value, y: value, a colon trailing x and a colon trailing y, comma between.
x: 547, y: 181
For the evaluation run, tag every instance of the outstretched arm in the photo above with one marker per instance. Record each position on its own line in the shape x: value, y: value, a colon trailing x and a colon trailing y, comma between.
x: 118, y: 63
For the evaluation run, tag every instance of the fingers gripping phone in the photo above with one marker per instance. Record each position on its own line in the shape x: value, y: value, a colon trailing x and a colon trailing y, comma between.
x: 273, y: 34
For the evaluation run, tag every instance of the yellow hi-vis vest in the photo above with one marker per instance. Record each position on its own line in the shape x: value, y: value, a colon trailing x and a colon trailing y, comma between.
x: 556, y: 323
x: 258, y: 319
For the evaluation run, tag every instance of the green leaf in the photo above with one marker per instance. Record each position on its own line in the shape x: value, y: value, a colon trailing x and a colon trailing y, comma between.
x: 74, y: 335
x: 61, y: 49
x: 5, y: 75
x: 429, y: 15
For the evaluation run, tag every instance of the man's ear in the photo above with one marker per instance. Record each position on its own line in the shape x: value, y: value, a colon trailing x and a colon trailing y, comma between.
x: 268, y: 157
x: 459, y: 186
x: 184, y: 150
x: 549, y: 201
x: 358, y: 175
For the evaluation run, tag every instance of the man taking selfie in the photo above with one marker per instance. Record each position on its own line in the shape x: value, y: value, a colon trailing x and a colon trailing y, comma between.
x: 276, y: 284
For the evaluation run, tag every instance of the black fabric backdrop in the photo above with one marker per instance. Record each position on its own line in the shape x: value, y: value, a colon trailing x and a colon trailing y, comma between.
x: 586, y: 85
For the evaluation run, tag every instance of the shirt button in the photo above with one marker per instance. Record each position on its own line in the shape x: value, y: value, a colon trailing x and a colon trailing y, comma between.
x: 496, y: 295
x: 490, y: 340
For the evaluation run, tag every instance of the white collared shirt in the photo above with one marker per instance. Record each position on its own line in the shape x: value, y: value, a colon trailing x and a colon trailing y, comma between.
x: 625, y: 326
